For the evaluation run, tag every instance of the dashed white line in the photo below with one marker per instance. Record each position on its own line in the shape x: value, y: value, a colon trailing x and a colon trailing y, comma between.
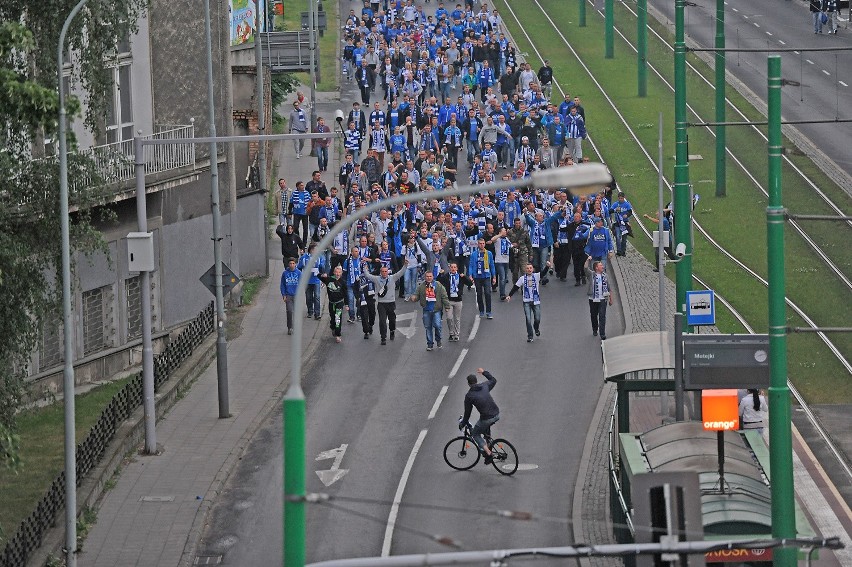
x: 769, y: 34
x: 782, y: 42
x: 842, y: 83
x: 397, y: 498
x: 756, y: 24
x: 438, y: 401
x: 457, y: 365
x: 475, y: 329
x: 796, y: 52
x: 809, y: 61
x: 735, y: 10
x: 826, y: 72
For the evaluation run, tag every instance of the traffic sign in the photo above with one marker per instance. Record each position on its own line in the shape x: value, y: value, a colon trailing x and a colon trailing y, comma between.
x: 700, y: 307
x: 229, y: 279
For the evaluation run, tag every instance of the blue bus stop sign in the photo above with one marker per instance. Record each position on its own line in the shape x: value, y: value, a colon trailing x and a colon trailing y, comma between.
x: 700, y: 307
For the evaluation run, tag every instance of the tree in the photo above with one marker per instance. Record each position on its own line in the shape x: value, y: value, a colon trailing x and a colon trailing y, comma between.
x: 29, y: 175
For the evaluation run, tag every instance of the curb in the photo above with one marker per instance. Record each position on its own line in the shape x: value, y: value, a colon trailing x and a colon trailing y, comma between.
x: 127, y: 439
x: 202, y: 516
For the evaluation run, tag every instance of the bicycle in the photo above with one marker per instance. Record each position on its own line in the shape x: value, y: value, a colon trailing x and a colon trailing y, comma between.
x: 462, y: 453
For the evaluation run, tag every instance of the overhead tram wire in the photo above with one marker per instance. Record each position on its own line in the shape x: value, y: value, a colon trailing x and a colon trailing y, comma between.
x: 811, y: 417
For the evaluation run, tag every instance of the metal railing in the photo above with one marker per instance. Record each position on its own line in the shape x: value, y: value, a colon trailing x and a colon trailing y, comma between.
x: 21, y: 545
x: 115, y: 162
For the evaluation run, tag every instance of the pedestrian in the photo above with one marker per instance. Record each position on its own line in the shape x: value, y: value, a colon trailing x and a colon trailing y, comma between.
x: 354, y: 265
x: 530, y: 283
x: 622, y: 212
x: 299, y: 124
x: 754, y: 411
x: 321, y: 144
x: 335, y: 287
x: 519, y: 254
x: 454, y: 282
x: 599, y: 296
x: 366, y: 300
x: 599, y: 245
x: 502, y: 247
x: 576, y: 128
x: 314, y: 289
x: 289, y: 284
x: 291, y: 243
x: 384, y: 285
x: 832, y: 14
x: 481, y: 268
x: 298, y: 207
x: 579, y: 232
x: 816, y: 9
x: 433, y: 299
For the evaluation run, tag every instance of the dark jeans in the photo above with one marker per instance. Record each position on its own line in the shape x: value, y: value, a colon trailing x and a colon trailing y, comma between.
x: 312, y: 299
x: 368, y: 315
x: 289, y: 307
x: 561, y: 259
x: 597, y: 310
x: 483, y: 294
x: 482, y: 426
x: 579, y: 258
x: 303, y: 220
x: 387, y: 318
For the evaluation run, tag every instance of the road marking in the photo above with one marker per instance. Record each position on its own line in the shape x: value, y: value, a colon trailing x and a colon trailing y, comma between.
x: 796, y: 52
x: 457, y: 365
x: 475, y: 328
x: 842, y: 83
x: 526, y: 466
x: 756, y: 24
x: 335, y: 473
x: 769, y: 34
x: 412, y: 328
x: 826, y: 72
x: 438, y: 401
x: 781, y: 42
x: 809, y: 61
x: 735, y: 10
x: 397, y: 498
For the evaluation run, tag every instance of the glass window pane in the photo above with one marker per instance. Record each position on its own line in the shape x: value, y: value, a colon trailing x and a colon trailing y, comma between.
x: 124, y: 93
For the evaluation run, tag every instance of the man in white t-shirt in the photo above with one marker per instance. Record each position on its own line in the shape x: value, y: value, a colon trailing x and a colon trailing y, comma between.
x: 501, y: 260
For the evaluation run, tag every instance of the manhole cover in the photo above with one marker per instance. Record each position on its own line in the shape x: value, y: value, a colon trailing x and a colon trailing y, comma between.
x: 208, y: 560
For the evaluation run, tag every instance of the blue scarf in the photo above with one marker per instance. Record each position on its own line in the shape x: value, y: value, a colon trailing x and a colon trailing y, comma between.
x: 531, y: 291
x: 454, y: 285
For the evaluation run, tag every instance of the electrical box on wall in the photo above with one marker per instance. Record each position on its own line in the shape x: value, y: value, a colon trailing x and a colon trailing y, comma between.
x: 140, y: 251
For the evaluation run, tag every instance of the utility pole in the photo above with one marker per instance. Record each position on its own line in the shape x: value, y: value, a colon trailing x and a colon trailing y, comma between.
x: 682, y: 198
x: 720, y: 99
x: 780, y: 435
x: 221, y: 340
x: 642, y: 47
x: 261, y: 111
x: 609, y: 34
x: 312, y: 24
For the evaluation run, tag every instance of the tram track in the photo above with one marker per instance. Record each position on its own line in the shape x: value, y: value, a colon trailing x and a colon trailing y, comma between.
x: 823, y: 337
x: 797, y: 395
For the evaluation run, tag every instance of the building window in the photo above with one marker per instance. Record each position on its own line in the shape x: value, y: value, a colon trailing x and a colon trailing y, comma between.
x: 119, y: 111
x: 51, y: 352
x: 133, y: 306
x: 93, y: 321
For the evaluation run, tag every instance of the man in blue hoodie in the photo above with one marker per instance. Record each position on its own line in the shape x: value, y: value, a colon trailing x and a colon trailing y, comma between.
x: 599, y: 245
x: 289, y: 284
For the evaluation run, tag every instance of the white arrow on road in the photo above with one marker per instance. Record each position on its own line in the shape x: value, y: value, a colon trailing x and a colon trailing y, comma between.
x: 335, y: 473
x: 412, y: 328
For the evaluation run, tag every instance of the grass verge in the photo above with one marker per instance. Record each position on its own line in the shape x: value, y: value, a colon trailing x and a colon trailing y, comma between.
x: 292, y: 20
x: 736, y: 221
x: 42, y: 456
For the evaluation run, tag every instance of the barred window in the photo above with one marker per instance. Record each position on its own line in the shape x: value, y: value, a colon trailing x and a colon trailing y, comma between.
x: 133, y: 307
x: 51, y: 352
x: 93, y: 321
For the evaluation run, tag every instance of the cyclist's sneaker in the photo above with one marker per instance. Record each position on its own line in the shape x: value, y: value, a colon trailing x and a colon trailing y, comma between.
x: 489, y: 459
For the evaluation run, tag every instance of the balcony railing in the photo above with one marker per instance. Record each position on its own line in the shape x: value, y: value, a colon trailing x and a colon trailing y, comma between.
x: 115, y: 161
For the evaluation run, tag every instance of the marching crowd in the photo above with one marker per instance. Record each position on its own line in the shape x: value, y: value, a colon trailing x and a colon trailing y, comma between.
x: 415, y: 136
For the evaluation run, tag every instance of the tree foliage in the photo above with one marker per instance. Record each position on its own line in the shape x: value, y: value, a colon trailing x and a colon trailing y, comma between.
x: 29, y: 175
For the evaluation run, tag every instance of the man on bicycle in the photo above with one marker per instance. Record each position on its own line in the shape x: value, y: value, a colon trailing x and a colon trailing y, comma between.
x: 479, y: 396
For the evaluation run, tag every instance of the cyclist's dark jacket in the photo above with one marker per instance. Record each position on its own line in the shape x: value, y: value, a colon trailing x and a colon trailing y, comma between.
x: 479, y: 396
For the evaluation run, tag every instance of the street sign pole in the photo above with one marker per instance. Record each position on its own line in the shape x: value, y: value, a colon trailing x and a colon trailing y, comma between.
x: 682, y: 200
x: 780, y: 434
x: 720, y: 99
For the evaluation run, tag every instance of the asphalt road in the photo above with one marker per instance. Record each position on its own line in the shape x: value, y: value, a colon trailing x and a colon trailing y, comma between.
x: 825, y: 92
x: 377, y: 401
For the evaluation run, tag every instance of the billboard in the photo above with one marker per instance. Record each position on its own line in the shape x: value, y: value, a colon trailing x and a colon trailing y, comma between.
x: 725, y: 361
x: 242, y: 17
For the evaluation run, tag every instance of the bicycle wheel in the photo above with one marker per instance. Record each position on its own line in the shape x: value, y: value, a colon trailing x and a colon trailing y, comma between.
x: 505, y: 458
x: 461, y: 453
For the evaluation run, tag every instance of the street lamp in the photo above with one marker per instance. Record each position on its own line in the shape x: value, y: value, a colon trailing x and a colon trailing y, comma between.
x: 579, y: 177
x: 67, y: 321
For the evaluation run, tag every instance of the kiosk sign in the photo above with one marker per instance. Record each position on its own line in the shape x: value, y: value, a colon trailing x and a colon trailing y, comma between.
x: 700, y: 307
x: 725, y: 361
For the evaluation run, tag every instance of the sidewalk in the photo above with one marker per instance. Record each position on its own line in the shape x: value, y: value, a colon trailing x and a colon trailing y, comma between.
x: 155, y: 513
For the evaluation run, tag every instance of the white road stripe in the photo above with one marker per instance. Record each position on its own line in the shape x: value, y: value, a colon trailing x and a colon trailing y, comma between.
x: 474, y: 329
x: 796, y: 52
x: 397, y: 498
x: 826, y: 72
x: 842, y: 83
x: 756, y: 24
x: 809, y: 61
x: 769, y: 34
x: 457, y: 365
x: 735, y: 10
x: 438, y: 401
x: 781, y: 42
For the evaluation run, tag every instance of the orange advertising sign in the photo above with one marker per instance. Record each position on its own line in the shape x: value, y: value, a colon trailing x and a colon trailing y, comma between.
x: 720, y: 410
